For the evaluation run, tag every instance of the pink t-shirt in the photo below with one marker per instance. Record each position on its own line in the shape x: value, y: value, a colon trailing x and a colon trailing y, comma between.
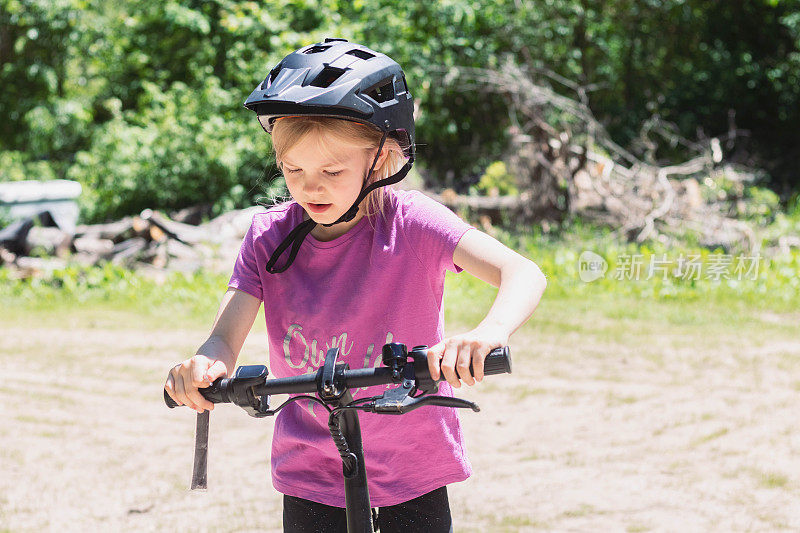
x: 380, y: 282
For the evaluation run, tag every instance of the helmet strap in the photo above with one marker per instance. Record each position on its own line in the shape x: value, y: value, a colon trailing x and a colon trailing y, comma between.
x: 295, y: 239
x: 351, y: 213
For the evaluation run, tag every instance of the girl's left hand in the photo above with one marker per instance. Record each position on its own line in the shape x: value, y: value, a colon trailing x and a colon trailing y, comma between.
x: 455, y: 354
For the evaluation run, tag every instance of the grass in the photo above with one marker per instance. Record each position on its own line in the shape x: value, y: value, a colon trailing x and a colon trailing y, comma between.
x: 711, y: 436
x: 108, y: 294
x: 772, y: 480
x: 583, y: 509
x: 613, y: 400
x: 520, y: 393
x: 31, y: 419
x: 512, y: 523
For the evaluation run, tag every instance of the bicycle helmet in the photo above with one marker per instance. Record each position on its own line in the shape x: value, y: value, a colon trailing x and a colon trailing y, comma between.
x: 339, y: 79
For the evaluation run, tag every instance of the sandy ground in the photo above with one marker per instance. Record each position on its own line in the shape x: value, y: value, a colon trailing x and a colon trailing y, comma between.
x: 581, y: 437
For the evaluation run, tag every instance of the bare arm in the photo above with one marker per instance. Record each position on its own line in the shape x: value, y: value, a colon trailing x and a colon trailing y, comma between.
x: 519, y: 280
x: 520, y: 286
x: 235, y: 317
x: 217, y: 355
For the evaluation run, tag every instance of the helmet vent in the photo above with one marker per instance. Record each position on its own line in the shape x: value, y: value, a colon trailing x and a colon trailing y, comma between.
x: 317, y: 48
x: 327, y: 76
x: 382, y: 93
x: 363, y: 54
x: 272, y: 75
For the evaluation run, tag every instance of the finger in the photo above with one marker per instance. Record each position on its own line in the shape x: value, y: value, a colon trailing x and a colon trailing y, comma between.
x: 216, y: 370
x: 180, y: 393
x: 478, y: 356
x: 462, y: 364
x: 200, y: 402
x: 198, y: 370
x: 169, y: 386
x: 434, y: 357
x: 449, y: 365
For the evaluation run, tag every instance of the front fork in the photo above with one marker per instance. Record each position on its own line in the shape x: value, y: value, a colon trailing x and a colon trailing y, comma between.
x: 346, y: 432
x: 356, y: 492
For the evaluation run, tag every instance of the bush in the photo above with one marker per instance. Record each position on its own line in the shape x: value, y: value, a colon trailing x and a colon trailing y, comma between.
x: 18, y: 166
x: 497, y: 181
x: 762, y: 204
x: 189, y: 146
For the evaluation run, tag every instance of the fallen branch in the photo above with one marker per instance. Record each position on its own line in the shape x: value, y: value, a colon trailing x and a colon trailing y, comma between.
x: 560, y: 172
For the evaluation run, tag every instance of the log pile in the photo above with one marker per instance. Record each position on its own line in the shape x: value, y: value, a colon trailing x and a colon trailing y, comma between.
x: 150, y: 242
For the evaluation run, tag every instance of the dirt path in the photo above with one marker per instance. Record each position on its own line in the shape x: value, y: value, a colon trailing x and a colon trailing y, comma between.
x: 691, y: 440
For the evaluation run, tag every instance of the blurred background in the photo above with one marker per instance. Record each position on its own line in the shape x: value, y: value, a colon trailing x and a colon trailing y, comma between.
x: 644, y: 153
x: 141, y: 102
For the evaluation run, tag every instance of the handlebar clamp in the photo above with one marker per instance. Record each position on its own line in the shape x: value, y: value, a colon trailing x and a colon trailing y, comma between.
x: 239, y: 390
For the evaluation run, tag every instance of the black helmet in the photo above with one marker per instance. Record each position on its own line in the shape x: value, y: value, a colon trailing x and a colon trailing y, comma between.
x: 339, y: 79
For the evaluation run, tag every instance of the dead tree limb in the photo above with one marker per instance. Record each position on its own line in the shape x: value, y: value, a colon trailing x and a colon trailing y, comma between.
x: 571, y: 165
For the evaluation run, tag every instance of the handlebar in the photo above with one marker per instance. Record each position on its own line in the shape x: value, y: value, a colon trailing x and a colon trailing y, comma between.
x: 222, y: 390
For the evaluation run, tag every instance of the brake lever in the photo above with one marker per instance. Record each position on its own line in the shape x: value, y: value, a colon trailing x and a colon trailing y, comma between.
x: 398, y: 401
x: 447, y: 401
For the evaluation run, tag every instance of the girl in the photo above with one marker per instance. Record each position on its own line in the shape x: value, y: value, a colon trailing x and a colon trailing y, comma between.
x: 353, y: 265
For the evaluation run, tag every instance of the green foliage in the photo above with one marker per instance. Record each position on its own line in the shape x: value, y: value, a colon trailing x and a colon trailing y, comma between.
x: 57, y: 128
x: 85, y: 83
x: 184, y: 147
x: 18, y: 166
x: 37, y: 41
x: 763, y: 282
x: 497, y: 181
x: 771, y: 284
x: 793, y: 206
x: 192, y: 295
x: 762, y: 204
x: 5, y: 218
x: 793, y: 209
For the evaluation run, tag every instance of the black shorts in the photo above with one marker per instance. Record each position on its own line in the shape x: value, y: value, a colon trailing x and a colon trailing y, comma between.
x: 429, y: 513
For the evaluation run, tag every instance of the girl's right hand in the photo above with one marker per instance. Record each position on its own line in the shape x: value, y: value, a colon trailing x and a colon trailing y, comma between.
x: 185, y: 378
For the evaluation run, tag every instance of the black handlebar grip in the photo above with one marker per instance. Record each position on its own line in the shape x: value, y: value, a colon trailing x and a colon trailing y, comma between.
x: 172, y: 404
x: 497, y: 362
x: 214, y: 393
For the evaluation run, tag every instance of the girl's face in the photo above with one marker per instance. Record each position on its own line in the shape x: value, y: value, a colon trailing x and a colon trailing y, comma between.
x: 326, y: 184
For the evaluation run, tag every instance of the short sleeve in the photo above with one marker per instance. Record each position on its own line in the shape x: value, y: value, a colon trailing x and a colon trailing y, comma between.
x: 245, y: 276
x: 432, y: 229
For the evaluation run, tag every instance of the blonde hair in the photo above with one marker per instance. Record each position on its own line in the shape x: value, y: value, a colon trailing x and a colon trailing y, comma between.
x: 289, y: 131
